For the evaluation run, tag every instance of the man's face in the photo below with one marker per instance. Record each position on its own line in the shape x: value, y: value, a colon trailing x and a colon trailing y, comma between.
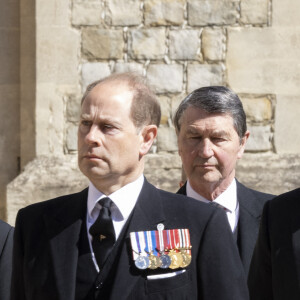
x: 108, y: 141
x: 209, y: 147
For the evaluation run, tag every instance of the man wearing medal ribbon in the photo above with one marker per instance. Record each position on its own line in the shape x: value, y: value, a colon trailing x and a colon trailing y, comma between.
x: 122, y: 238
x: 212, y: 134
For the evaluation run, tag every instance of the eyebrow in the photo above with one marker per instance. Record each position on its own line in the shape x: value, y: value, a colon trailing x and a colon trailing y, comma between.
x: 101, y: 120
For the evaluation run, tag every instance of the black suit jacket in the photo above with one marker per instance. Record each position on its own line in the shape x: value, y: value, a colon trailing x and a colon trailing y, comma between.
x: 6, y: 245
x: 275, y: 268
x: 251, y: 204
x: 46, y: 253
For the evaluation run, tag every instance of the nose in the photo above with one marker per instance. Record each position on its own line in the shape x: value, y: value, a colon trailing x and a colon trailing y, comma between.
x: 93, y: 136
x: 205, y: 149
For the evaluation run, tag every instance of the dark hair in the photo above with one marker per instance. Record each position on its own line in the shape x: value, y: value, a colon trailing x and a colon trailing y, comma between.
x: 145, y: 109
x: 215, y: 99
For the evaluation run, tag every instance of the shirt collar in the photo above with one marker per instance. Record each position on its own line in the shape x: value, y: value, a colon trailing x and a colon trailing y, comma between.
x: 227, y: 199
x: 123, y: 199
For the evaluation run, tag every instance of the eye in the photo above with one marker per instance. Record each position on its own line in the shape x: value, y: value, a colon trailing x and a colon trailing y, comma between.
x: 85, y: 123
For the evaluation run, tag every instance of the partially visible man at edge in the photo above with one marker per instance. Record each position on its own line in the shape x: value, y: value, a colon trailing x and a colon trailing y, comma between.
x: 6, y: 249
x: 60, y: 251
x: 212, y: 133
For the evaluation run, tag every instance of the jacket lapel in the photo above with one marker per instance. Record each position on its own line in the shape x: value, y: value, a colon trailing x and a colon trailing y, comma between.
x: 63, y: 232
x: 248, y: 224
x: 147, y: 213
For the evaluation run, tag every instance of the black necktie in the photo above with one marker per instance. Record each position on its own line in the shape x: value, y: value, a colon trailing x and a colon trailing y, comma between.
x: 103, y: 233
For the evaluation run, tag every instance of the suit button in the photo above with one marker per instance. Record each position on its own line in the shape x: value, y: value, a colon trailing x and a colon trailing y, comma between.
x: 99, y: 285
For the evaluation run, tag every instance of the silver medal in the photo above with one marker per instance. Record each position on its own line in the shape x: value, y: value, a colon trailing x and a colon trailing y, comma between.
x: 165, y: 261
x: 142, y: 262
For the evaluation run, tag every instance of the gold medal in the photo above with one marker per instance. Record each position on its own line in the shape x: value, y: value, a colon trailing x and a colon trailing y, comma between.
x: 155, y: 262
x: 186, y: 259
x: 176, y: 259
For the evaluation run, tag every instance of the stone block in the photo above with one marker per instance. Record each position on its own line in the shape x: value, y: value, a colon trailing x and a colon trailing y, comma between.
x: 179, y: 39
x: 123, y: 13
x: 73, y: 108
x: 260, y: 138
x: 269, y: 172
x: 166, y: 140
x: 165, y: 106
x: 261, y: 67
x: 121, y: 67
x: 203, y: 75
x: 147, y: 43
x: 213, y: 44
x: 176, y: 100
x: 71, y: 137
x: 257, y: 109
x: 44, y: 178
x: 159, y: 12
x: 92, y: 71
x: 86, y: 13
x: 254, y: 11
x: 212, y: 12
x: 50, y: 120
x: 57, y: 55
x: 287, y: 133
x: 52, y: 13
x: 102, y: 43
x: 165, y: 78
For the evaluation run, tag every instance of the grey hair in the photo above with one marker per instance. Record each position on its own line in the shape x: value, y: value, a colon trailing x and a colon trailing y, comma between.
x: 214, y: 99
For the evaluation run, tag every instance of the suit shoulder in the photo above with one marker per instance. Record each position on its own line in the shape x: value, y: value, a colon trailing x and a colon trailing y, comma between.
x: 51, y: 204
x: 4, y: 227
x: 290, y: 199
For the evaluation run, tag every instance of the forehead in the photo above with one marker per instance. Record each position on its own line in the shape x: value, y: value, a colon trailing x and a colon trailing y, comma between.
x: 195, y: 117
x: 113, y: 95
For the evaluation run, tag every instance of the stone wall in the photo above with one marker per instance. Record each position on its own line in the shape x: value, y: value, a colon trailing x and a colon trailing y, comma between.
x: 179, y: 45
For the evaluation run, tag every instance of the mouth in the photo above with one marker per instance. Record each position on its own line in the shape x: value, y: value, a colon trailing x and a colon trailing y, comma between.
x: 91, y: 156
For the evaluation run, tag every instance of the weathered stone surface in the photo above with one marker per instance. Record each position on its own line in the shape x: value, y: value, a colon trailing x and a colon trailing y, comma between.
x: 270, y: 65
x: 270, y: 173
x: 147, y: 43
x: 179, y: 41
x: 203, y: 75
x: 166, y: 139
x: 9, y: 138
x: 53, y: 13
x: 254, y: 11
x: 57, y: 55
x: 213, y: 44
x: 165, y: 78
x: 71, y: 138
x: 159, y: 12
x: 42, y: 179
x: 260, y: 138
x: 209, y: 12
x: 129, y: 67
x: 92, y: 72
x: 287, y: 133
x: 86, y: 13
x: 123, y: 12
x: 176, y: 100
x: 257, y: 109
x: 102, y: 43
x: 165, y: 106
x: 73, y: 108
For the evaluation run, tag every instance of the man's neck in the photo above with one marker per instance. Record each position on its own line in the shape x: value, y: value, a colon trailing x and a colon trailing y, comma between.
x: 211, y: 191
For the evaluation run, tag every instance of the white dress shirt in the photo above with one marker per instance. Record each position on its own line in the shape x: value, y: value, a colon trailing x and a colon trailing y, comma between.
x: 228, y: 199
x: 123, y: 200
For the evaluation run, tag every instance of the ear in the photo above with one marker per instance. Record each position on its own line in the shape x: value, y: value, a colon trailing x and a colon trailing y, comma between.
x: 243, y: 144
x: 147, y: 134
